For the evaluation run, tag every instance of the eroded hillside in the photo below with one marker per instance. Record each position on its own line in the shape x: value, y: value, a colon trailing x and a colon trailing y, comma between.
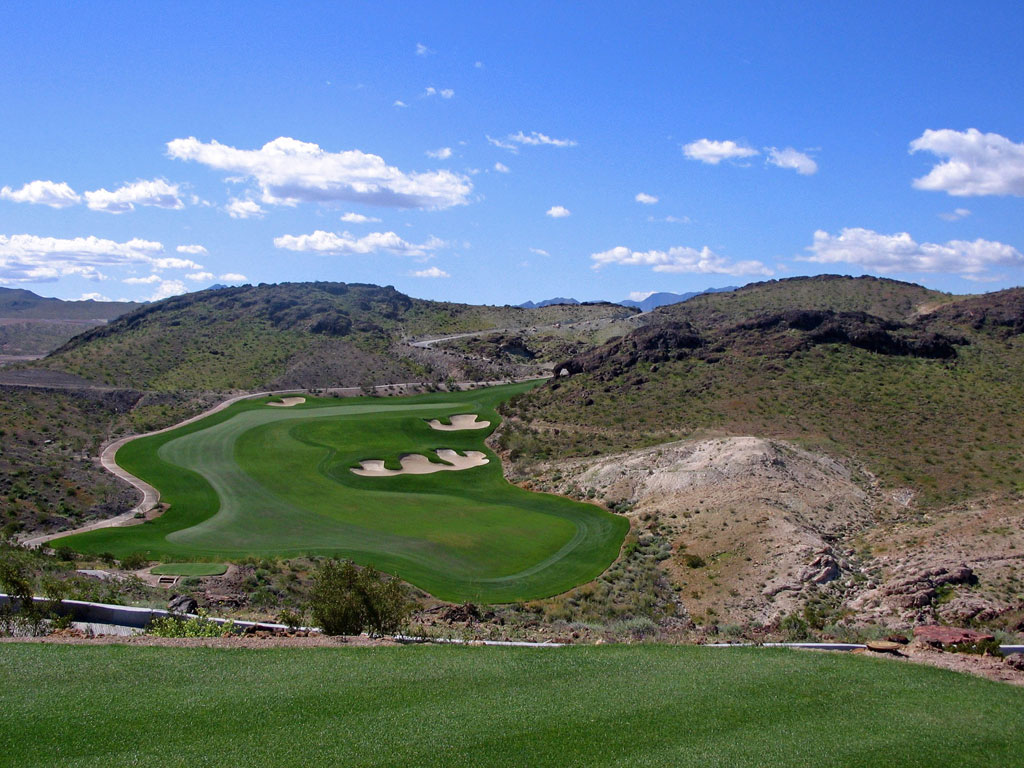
x: 829, y: 448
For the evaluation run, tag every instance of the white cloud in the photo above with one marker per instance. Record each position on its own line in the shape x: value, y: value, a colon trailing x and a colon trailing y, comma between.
x: 790, y: 158
x: 501, y: 168
x: 399, y: 103
x: 156, y: 194
x: 290, y: 171
x: 478, y: 64
x: 900, y: 254
x: 244, y: 209
x: 53, y: 194
x: 640, y: 295
x: 671, y: 219
x: 714, y: 152
x: 357, y: 218
x: 167, y: 289
x: 955, y: 215
x: 194, y: 250
x: 643, y: 197
x: 28, y: 258
x: 173, y: 262
x: 679, y: 259
x: 976, y: 163
x: 441, y: 154
x: 539, y: 252
x: 535, y: 139
x: 93, y: 297
x: 513, y: 141
x: 422, y: 50
x: 346, y: 243
x: 558, y: 212
x: 142, y: 280
x: 432, y: 272
x: 233, y: 277
x: 199, y: 277
x: 444, y: 93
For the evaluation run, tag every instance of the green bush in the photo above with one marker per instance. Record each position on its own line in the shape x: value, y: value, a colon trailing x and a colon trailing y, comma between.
x: 197, y: 626
x: 134, y: 561
x: 691, y: 560
x: 979, y: 648
x: 291, y: 619
x: 347, y: 600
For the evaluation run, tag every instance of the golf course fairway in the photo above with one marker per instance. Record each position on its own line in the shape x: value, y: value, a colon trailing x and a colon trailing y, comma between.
x: 259, y: 480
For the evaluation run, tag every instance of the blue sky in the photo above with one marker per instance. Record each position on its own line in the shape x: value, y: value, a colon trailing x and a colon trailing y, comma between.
x: 497, y: 153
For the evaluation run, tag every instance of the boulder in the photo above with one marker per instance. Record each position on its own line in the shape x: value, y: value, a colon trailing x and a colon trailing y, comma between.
x: 182, y: 604
x: 467, y: 612
x: 935, y: 634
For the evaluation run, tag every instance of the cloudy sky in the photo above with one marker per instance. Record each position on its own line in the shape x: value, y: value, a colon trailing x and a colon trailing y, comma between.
x: 495, y: 154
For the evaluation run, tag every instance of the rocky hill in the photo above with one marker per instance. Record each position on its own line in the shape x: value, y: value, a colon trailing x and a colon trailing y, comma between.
x: 293, y: 335
x: 826, y: 449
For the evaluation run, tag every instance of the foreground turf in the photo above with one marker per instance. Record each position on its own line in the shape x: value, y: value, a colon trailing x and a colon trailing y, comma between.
x: 259, y: 480
x: 189, y: 569
x: 438, y: 706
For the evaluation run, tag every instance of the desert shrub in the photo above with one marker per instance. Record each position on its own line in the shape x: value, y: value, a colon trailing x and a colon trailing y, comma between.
x: 291, y: 619
x: 134, y: 561
x: 794, y: 628
x: 980, y: 648
x: 691, y: 560
x: 196, y: 626
x: 22, y: 615
x: 347, y: 600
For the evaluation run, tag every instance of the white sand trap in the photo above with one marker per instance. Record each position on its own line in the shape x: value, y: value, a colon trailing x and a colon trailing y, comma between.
x: 417, y: 464
x: 288, y: 402
x: 460, y: 421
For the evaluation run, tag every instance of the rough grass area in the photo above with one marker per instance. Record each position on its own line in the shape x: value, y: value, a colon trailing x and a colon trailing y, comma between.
x: 438, y: 706
x: 190, y: 569
x: 255, y: 480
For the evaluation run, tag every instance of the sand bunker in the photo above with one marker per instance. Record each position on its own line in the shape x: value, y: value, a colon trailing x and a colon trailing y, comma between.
x: 288, y: 402
x: 416, y: 464
x: 460, y: 421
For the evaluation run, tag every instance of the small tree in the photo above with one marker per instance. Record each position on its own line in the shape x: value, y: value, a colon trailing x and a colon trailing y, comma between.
x: 347, y: 600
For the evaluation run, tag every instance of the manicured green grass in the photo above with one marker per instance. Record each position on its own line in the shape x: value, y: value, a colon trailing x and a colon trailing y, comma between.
x: 446, y: 706
x: 189, y: 569
x: 257, y: 480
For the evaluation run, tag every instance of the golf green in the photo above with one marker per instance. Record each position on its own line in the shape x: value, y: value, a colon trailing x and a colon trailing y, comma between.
x: 259, y: 480
x: 189, y: 569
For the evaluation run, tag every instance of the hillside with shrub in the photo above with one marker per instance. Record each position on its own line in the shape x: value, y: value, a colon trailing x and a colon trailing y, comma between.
x: 289, y: 335
x: 926, y: 389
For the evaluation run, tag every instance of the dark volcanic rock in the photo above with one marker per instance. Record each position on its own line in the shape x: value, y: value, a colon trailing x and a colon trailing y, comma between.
x: 1002, y: 312
x: 467, y: 612
x: 182, y: 604
x: 651, y: 344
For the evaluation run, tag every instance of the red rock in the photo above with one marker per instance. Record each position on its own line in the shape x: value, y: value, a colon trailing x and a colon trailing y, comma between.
x: 935, y: 634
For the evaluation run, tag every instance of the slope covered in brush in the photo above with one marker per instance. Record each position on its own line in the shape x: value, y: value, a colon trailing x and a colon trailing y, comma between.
x: 292, y: 334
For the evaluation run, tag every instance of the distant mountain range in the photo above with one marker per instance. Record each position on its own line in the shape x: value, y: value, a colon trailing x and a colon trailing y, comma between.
x: 33, y: 325
x: 17, y: 303
x: 646, y: 305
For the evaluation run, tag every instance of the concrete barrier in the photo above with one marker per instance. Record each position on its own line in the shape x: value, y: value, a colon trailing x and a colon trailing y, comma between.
x: 139, y: 618
x: 131, y: 616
